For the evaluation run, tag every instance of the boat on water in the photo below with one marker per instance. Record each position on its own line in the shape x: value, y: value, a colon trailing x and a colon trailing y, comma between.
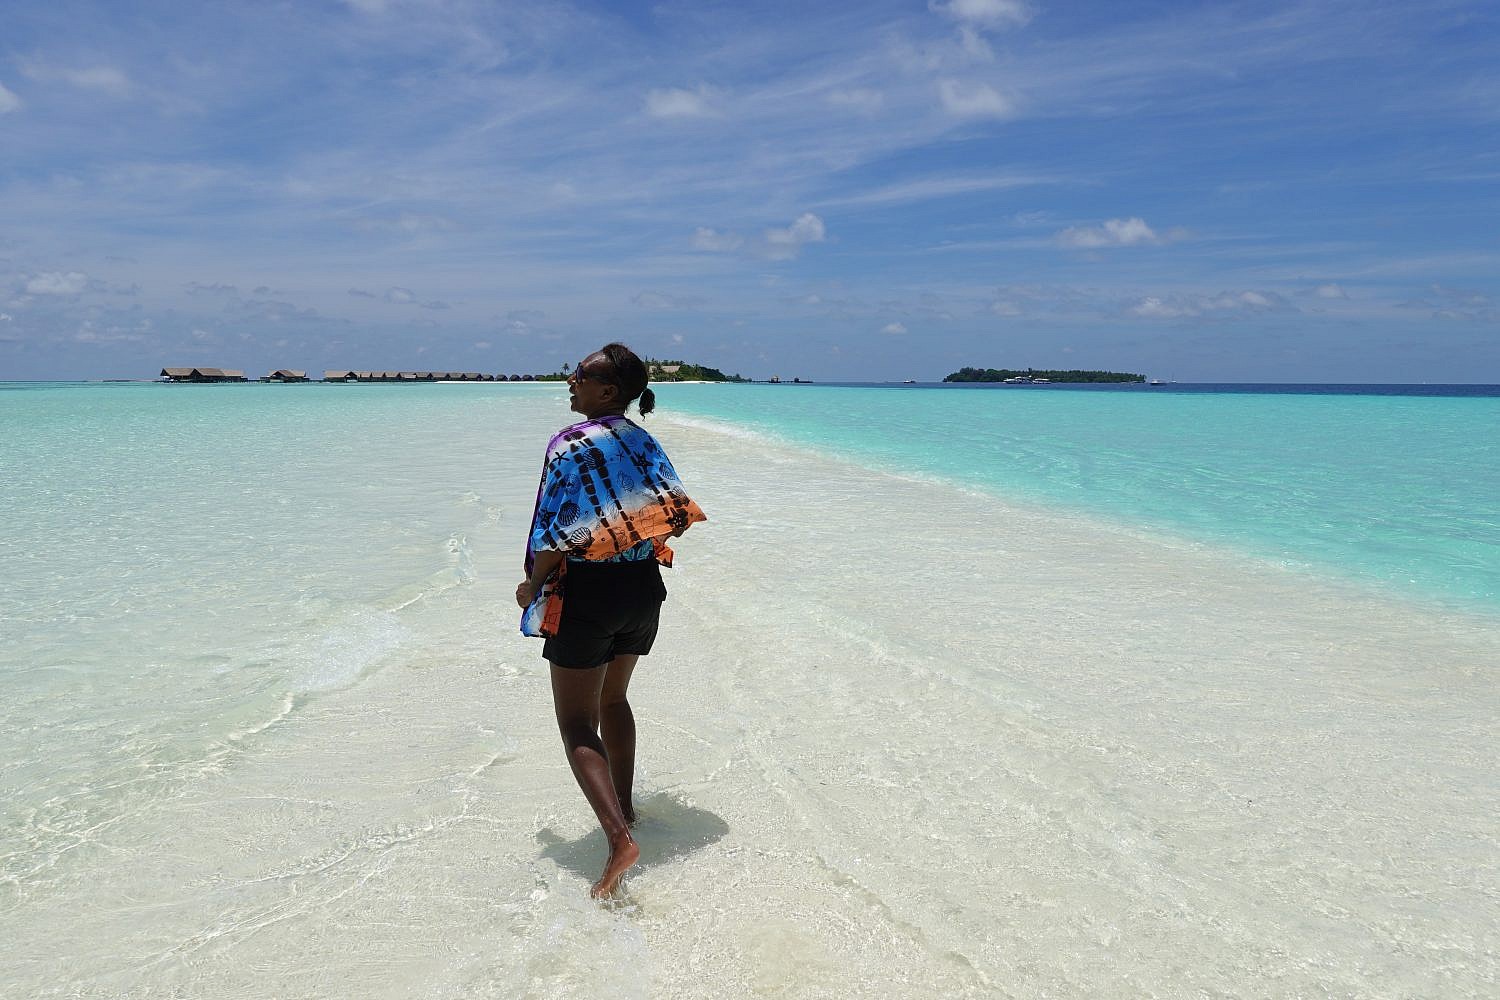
x: 1156, y: 381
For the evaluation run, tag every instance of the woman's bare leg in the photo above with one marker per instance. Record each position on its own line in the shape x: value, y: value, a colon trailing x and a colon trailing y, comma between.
x: 617, y: 729
x: 575, y: 698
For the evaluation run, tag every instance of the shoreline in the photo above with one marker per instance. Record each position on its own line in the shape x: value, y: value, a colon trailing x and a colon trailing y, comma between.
x: 1358, y: 585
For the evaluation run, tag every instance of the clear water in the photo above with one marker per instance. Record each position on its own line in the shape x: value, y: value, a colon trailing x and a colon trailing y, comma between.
x: 267, y: 727
x: 1397, y: 490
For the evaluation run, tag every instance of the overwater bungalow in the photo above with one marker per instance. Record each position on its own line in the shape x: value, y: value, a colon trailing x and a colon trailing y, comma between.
x: 286, y: 375
x: 202, y: 375
x: 339, y: 375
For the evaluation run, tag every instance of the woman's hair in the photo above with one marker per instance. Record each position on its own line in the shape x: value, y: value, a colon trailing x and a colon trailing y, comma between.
x: 630, y: 376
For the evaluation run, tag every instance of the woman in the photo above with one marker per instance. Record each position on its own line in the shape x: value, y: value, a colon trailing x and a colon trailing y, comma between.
x: 608, y: 500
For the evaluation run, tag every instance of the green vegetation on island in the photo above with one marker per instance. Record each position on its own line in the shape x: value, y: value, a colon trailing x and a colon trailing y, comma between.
x: 664, y: 371
x: 1038, y: 374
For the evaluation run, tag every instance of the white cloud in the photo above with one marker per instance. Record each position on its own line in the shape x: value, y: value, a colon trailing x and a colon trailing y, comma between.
x: 483, y: 345
x: 895, y: 328
x: 715, y: 241
x: 8, y: 100
x: 1152, y: 307
x: 937, y: 187
x: 1331, y: 291
x: 978, y: 100
x: 57, y: 283
x: 102, y: 78
x: 1246, y: 302
x: 674, y: 102
x: 216, y: 288
x: 974, y: 46
x: 1005, y: 307
x: 1114, y: 233
x: 403, y: 297
x: 782, y: 244
x: 369, y: 6
x: 986, y: 13
x: 88, y: 333
x: 1463, y: 304
x: 6, y: 318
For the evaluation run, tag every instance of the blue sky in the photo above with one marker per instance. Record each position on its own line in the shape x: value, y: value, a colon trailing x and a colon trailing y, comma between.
x: 1261, y: 191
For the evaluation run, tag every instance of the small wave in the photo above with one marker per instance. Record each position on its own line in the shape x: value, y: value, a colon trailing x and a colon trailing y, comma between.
x: 727, y: 428
x: 347, y: 650
x: 459, y: 572
x: 284, y: 709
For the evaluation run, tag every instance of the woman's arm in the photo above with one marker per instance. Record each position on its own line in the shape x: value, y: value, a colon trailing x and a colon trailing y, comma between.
x: 542, y: 565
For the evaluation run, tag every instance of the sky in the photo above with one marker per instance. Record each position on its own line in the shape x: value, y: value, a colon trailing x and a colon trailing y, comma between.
x: 1267, y: 191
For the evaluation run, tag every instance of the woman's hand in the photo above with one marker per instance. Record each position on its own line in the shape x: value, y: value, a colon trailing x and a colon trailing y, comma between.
x: 540, y: 568
x: 525, y: 593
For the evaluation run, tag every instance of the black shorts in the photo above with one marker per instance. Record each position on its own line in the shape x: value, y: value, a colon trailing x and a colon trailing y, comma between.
x: 609, y: 609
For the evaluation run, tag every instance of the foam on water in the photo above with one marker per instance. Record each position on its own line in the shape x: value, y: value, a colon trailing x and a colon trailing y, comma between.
x: 897, y: 739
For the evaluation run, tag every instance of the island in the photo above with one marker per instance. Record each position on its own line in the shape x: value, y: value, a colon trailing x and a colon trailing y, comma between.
x: 1032, y: 375
x: 664, y: 371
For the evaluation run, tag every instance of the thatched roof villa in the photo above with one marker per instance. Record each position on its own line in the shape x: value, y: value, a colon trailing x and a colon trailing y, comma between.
x: 202, y: 375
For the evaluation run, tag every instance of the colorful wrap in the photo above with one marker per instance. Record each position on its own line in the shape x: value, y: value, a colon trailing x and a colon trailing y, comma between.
x: 606, y: 487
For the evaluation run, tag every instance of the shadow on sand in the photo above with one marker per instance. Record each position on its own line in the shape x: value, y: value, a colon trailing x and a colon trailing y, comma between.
x: 666, y: 829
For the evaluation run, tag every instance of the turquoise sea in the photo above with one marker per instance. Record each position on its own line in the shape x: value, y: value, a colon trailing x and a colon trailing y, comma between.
x: 1395, y: 486
x: 1392, y: 485
x: 1196, y: 681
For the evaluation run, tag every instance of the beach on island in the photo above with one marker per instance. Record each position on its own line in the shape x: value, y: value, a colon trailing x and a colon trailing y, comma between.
x: 899, y: 738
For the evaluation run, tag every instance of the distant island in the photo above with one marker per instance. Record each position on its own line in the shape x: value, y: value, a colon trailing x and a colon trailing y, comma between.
x: 1038, y: 375
x: 664, y: 371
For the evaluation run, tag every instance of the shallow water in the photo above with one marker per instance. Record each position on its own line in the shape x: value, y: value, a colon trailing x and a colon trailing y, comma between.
x: 1396, y: 491
x: 269, y: 730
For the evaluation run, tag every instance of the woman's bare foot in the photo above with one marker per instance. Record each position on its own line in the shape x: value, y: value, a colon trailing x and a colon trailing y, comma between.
x: 622, y: 854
